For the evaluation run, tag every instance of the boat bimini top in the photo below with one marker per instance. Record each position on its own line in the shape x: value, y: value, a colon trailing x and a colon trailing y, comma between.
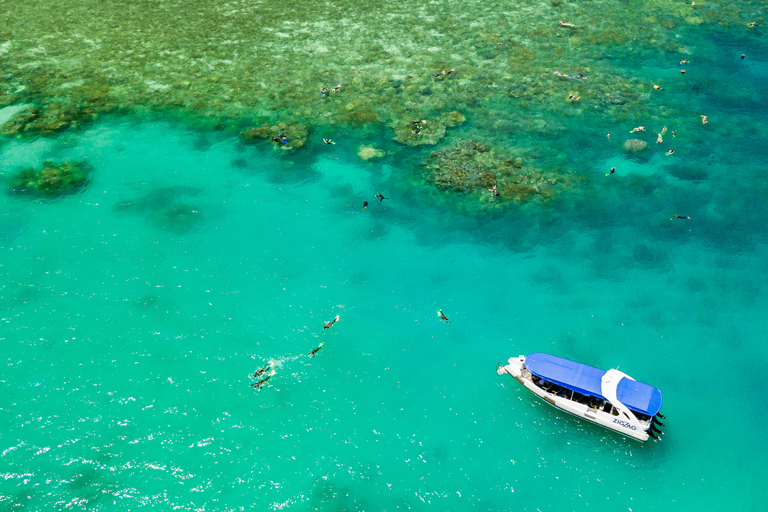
x: 612, y: 385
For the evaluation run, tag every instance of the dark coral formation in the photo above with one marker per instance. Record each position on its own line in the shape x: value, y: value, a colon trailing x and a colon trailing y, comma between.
x: 296, y: 134
x: 48, y: 119
x: 52, y: 180
x: 168, y: 208
x: 462, y: 167
x: 470, y: 165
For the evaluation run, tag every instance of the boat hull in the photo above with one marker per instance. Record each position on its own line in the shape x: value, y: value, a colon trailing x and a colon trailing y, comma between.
x: 516, y: 368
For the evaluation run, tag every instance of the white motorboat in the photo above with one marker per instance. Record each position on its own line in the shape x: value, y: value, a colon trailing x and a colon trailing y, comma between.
x: 611, y: 399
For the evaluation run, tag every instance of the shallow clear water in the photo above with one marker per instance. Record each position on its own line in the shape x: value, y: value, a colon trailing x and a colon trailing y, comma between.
x: 135, y: 311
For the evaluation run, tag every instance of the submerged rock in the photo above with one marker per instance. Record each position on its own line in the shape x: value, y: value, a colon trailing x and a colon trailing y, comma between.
x: 368, y: 152
x: 689, y: 172
x: 179, y: 218
x: 635, y: 145
x: 168, y: 208
x: 52, y: 180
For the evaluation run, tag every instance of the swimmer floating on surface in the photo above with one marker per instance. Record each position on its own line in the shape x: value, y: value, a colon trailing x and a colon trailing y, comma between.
x: 444, y: 73
x: 328, y: 325
x: 312, y: 353
x: 442, y: 316
x: 577, y: 77
x: 260, y: 384
x: 263, y: 369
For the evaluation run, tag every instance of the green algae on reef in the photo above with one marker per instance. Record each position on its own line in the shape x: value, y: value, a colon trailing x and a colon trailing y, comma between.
x: 257, y: 68
x: 231, y: 62
x: 52, y: 179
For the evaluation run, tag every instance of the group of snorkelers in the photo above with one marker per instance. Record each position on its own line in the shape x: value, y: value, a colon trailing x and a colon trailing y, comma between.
x: 267, y: 371
x: 378, y: 196
x: 324, y: 91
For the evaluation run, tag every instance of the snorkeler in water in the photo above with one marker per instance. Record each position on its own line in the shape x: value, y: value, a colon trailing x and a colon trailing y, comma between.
x: 312, y: 354
x: 328, y: 325
x: 328, y: 141
x: 263, y: 369
x: 577, y: 77
x: 444, y: 73
x: 381, y: 197
x: 442, y: 316
x: 681, y: 217
x: 263, y: 381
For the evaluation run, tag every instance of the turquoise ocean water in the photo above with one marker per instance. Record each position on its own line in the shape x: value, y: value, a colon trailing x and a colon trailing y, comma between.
x: 134, y: 312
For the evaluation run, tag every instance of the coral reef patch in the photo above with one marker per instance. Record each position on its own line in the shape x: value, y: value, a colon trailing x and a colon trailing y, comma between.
x: 53, y: 179
x: 473, y: 166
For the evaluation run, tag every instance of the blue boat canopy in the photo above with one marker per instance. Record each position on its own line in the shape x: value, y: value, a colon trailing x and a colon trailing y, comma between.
x: 587, y: 380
